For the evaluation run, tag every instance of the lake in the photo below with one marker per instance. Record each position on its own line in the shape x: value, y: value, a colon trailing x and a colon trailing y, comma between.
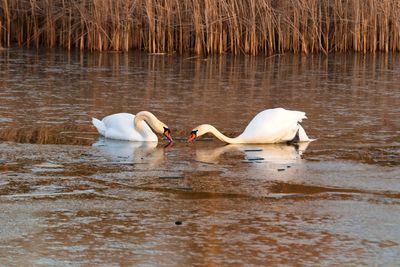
x: 69, y: 197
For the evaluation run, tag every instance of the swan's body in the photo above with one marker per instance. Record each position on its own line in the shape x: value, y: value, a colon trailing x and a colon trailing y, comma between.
x: 129, y: 127
x: 276, y: 125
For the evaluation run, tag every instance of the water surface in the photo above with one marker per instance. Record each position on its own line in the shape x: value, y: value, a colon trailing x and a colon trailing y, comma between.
x: 69, y: 197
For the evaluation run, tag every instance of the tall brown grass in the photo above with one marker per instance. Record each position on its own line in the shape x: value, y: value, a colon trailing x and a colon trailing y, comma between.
x: 203, y: 26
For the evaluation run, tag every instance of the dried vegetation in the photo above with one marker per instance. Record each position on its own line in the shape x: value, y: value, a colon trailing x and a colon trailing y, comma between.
x: 203, y: 26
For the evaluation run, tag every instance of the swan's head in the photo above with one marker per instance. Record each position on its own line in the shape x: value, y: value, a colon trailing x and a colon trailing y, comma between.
x: 167, y: 133
x: 161, y: 128
x: 157, y: 125
x: 199, y: 131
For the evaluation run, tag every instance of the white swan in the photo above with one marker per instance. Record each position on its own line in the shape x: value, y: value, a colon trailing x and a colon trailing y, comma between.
x: 129, y: 127
x: 276, y: 125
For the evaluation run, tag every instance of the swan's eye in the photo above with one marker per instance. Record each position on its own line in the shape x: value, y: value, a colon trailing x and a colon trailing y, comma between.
x: 194, y: 132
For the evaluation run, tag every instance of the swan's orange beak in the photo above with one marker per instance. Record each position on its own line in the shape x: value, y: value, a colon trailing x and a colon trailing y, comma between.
x: 192, y: 137
x: 167, y: 133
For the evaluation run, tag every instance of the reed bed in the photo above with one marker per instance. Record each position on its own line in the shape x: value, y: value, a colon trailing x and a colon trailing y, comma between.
x: 203, y: 26
x: 50, y: 135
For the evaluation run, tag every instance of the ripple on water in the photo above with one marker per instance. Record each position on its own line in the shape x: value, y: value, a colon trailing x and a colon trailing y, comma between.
x: 84, y: 200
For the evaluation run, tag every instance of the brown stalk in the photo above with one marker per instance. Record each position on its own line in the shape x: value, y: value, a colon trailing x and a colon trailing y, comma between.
x: 204, y: 26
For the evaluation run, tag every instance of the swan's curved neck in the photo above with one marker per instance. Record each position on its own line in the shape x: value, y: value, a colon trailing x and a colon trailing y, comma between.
x: 221, y: 136
x: 149, y: 118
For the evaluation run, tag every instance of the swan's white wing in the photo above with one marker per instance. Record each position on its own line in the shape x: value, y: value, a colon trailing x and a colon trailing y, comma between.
x: 273, y: 126
x: 120, y: 121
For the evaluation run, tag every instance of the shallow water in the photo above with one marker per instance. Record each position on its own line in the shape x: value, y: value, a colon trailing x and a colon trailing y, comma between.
x: 69, y: 197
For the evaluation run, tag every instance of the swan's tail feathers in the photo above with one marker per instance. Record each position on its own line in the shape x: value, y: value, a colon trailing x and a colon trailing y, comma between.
x: 303, y: 136
x: 303, y: 116
x: 101, y: 128
x: 300, y: 115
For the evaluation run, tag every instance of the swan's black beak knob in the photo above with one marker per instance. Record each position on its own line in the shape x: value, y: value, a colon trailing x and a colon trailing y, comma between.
x: 192, y: 136
x: 167, y: 133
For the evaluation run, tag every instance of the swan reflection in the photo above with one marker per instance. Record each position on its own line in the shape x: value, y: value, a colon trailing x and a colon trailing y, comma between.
x: 272, y: 153
x: 129, y: 152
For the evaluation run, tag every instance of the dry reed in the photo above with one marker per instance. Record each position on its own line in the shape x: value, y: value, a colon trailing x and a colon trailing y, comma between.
x: 203, y: 26
x: 50, y: 135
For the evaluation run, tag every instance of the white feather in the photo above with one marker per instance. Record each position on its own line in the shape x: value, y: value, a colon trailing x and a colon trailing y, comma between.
x: 121, y: 126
